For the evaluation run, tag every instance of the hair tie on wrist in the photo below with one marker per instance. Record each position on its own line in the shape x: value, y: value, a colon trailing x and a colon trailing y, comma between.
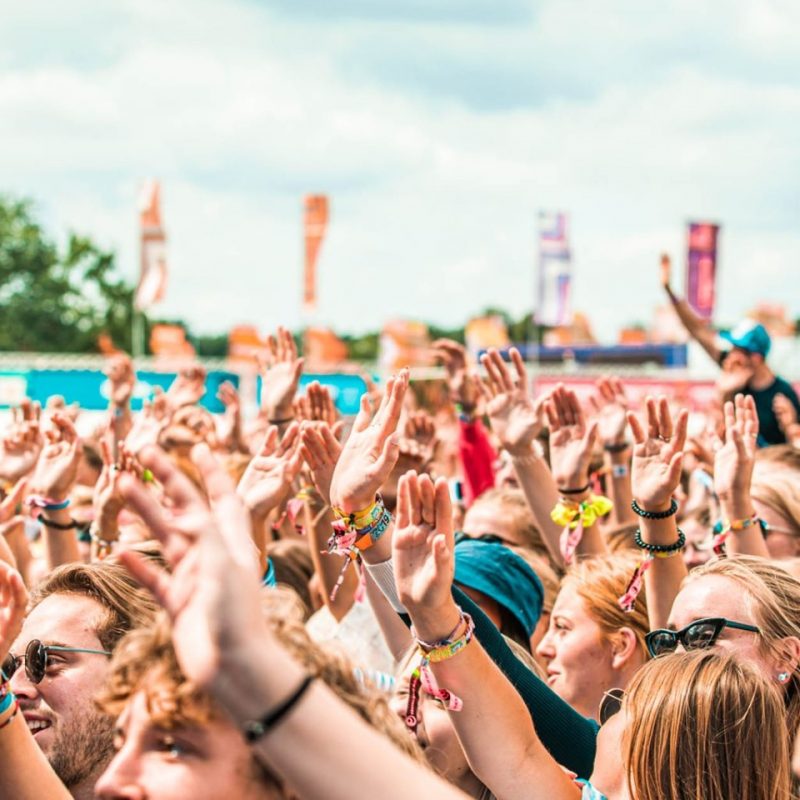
x: 621, y: 447
x: 576, y: 491
x: 255, y: 729
x: 49, y: 523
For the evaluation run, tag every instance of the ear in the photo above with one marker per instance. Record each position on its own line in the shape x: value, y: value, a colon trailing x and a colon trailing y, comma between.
x: 787, y: 660
x: 624, y: 646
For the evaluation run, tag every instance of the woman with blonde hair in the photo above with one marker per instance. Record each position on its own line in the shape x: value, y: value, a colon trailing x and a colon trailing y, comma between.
x: 692, y: 725
x: 592, y: 645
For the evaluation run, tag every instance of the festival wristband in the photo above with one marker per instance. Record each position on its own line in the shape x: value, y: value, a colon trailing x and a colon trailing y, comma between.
x: 46, y: 503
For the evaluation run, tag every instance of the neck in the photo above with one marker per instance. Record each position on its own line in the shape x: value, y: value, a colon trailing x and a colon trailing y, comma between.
x: 762, y: 377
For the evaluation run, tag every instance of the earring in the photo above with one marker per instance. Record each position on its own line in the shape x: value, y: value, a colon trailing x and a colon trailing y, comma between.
x: 783, y: 677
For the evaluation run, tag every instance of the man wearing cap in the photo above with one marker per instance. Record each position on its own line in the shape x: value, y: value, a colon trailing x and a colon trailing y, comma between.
x: 742, y: 354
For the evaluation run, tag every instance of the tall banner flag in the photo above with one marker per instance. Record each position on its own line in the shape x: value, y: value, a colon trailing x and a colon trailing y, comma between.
x: 702, y: 267
x: 153, y: 250
x: 555, y: 270
x: 316, y: 221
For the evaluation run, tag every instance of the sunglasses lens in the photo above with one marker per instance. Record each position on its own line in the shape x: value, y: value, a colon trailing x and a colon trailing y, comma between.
x: 610, y: 704
x: 9, y: 666
x: 700, y: 635
x: 35, y: 660
x: 661, y: 642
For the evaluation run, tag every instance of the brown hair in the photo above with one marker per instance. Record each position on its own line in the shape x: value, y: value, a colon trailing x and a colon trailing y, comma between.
x: 293, y: 568
x: 775, y: 596
x: 699, y: 724
x: 518, y: 512
x: 126, y: 604
x: 600, y: 582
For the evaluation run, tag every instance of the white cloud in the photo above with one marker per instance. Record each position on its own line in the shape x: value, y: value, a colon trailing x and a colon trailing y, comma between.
x: 241, y: 109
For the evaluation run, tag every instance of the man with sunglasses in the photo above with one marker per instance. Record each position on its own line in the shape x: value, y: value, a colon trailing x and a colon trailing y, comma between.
x: 60, y: 660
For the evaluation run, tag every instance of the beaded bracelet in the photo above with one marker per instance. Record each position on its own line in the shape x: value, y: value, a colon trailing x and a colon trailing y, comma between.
x: 639, y: 511
x: 660, y: 548
x: 628, y: 600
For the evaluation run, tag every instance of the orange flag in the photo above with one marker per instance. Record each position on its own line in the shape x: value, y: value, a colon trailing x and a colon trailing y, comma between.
x: 153, y: 252
x: 316, y: 221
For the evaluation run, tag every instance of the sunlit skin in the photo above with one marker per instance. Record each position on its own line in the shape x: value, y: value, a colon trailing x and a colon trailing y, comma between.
x: 783, y: 537
x: 719, y: 596
x: 581, y: 662
x: 489, y: 517
x: 60, y: 709
x: 201, y: 762
x: 436, y: 735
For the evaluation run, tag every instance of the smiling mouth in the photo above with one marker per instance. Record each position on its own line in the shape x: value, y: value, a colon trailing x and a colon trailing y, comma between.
x: 38, y: 725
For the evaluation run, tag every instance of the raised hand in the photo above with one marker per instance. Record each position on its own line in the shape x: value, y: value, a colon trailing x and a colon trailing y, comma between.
x: 786, y: 414
x: 280, y: 376
x: 666, y: 270
x: 13, y: 605
x: 513, y: 415
x: 320, y: 450
x: 22, y: 443
x: 57, y: 468
x: 735, y: 458
x: 371, y: 449
x: 268, y: 477
x: 464, y: 385
x: 230, y: 428
x: 419, y: 437
x: 212, y: 592
x: 188, y: 387
x: 571, y: 440
x: 148, y: 423
x: 657, y: 455
x: 122, y: 380
x: 610, y: 406
x: 423, y: 553
x: 8, y: 507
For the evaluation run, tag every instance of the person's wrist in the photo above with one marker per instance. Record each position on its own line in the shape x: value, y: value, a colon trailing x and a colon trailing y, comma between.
x: 279, y: 412
x: 434, y: 624
x: 736, y: 509
x: 655, y: 505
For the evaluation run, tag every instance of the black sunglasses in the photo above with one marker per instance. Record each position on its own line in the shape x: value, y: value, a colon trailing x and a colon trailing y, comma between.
x: 35, y: 659
x: 610, y: 704
x: 699, y: 634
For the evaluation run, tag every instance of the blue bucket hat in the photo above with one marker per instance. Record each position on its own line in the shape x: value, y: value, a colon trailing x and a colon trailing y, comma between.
x: 498, y: 572
x: 750, y: 336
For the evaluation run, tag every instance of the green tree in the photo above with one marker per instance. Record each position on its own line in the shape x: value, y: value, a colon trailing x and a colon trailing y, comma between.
x: 52, y: 301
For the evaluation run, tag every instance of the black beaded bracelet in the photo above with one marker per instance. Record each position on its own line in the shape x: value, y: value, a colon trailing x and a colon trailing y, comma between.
x: 255, y: 729
x: 659, y: 548
x: 673, y: 509
x: 616, y: 448
x: 283, y: 421
x: 576, y: 491
x: 48, y: 523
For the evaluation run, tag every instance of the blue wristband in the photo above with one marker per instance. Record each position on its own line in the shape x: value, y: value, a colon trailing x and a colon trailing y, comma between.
x: 7, y: 701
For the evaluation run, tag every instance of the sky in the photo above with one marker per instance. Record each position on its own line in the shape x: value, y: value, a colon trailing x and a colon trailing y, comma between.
x: 439, y: 129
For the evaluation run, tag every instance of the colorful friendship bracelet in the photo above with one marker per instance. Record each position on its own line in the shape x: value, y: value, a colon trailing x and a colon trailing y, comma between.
x: 724, y: 528
x: 46, y: 503
x: 627, y: 601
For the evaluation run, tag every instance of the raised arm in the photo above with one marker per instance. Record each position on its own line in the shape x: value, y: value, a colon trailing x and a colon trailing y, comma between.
x: 224, y: 645
x: 50, y: 487
x: 26, y: 774
x: 657, y: 459
x: 697, y: 327
x: 490, y: 718
x: 733, y: 472
x: 610, y: 405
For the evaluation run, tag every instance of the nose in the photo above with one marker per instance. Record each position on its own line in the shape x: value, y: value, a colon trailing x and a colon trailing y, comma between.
x: 22, y: 686
x: 119, y: 781
x: 546, y: 648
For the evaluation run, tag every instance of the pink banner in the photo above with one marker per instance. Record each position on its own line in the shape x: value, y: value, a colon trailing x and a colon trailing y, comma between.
x: 702, y: 267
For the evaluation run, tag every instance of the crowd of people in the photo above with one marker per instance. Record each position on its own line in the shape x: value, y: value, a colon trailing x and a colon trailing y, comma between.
x: 500, y: 596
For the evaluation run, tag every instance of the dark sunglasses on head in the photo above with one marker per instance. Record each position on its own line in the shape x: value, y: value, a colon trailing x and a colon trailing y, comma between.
x: 610, y: 704
x: 35, y: 659
x: 483, y: 537
x: 699, y: 634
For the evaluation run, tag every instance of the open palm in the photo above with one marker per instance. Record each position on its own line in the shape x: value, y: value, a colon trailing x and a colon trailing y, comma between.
x: 657, y: 454
x: 371, y: 450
